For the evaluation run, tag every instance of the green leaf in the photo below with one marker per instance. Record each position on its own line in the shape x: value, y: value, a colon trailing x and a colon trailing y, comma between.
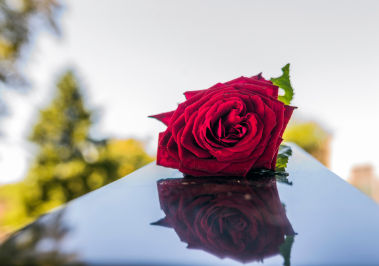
x: 284, y: 83
x: 281, y: 178
x: 283, y: 155
x: 281, y: 164
x: 280, y: 169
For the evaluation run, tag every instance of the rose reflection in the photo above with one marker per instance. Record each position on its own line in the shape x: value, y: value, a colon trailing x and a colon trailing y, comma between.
x: 240, y: 219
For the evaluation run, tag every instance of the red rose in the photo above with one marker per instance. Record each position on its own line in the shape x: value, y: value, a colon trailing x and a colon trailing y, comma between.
x: 225, y: 130
x: 229, y: 218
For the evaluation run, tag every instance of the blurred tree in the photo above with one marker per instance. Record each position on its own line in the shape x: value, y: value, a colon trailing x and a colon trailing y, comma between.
x: 129, y: 153
x: 12, y: 210
x: 70, y: 163
x: 19, y: 19
x: 312, y: 138
x: 44, y: 188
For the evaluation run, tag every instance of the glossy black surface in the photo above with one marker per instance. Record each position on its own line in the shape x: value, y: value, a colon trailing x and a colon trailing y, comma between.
x: 242, y: 219
x: 334, y: 222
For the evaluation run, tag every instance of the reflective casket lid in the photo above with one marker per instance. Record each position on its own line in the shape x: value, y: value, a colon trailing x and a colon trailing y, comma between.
x: 154, y: 216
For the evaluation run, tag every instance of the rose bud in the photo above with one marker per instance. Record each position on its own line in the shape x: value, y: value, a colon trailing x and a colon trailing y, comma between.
x: 225, y: 130
x: 239, y: 219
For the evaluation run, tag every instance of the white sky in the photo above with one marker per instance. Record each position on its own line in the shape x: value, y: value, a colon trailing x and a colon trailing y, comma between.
x: 136, y: 58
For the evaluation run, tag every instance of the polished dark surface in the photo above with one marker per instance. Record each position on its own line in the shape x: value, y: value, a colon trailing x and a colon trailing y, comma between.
x: 334, y: 222
x: 242, y: 219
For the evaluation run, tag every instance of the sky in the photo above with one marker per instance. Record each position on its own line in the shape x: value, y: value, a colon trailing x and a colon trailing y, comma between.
x: 136, y: 58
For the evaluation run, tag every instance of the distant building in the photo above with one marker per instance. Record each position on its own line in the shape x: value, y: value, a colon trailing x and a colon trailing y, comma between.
x: 363, y: 177
x: 323, y: 152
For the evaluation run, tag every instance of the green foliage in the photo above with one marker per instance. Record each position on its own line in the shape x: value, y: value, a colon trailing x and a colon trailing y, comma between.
x: 67, y: 156
x: 69, y: 163
x: 65, y: 122
x: 283, y: 155
x: 284, y: 83
x: 308, y: 135
x: 12, y: 209
x: 17, y: 24
x: 311, y: 137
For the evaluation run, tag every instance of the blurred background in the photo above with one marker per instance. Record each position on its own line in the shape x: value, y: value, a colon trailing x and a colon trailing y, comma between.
x: 79, y: 78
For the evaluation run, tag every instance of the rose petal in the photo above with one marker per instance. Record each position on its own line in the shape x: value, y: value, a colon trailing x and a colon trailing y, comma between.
x: 163, y: 157
x: 163, y: 117
x: 188, y: 141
